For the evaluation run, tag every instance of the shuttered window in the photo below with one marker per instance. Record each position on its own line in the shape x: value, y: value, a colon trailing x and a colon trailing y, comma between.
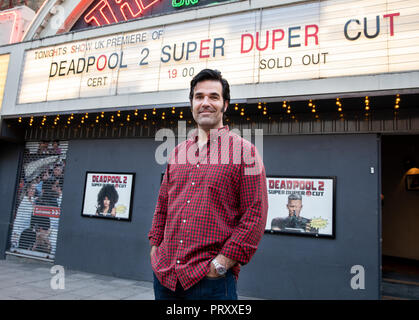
x: 37, y: 208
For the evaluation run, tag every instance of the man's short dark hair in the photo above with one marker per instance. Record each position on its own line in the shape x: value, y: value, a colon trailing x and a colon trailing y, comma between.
x: 209, y: 74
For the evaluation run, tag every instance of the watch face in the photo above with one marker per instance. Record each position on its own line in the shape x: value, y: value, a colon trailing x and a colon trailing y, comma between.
x: 221, y: 270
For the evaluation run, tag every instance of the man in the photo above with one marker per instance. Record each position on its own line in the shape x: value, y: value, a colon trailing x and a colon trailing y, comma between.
x: 294, y: 222
x: 211, y: 210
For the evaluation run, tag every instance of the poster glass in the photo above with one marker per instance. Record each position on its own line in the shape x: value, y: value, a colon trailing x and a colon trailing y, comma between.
x: 108, y: 195
x: 301, y: 206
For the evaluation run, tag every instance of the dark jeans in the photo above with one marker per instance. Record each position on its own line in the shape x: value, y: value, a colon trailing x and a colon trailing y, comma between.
x: 223, y: 288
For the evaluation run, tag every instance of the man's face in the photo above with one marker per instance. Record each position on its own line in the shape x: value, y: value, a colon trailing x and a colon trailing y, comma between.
x: 208, y: 105
x: 294, y: 205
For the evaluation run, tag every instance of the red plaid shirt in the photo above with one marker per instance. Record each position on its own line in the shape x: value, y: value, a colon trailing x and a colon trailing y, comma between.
x: 211, y: 201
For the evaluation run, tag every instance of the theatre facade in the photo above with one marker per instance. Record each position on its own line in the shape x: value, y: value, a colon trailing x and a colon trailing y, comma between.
x: 327, y: 90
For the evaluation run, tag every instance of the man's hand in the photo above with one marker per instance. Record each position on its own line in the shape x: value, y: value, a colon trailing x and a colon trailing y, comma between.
x: 153, y: 250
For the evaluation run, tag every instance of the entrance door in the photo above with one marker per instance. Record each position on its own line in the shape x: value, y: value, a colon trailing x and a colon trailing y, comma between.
x: 400, y: 216
x: 37, y: 208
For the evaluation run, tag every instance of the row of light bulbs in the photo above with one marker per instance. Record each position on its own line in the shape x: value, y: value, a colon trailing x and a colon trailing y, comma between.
x: 102, y: 115
x: 286, y: 106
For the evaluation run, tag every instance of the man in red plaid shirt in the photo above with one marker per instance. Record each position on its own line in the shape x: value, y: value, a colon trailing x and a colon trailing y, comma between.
x: 212, y: 205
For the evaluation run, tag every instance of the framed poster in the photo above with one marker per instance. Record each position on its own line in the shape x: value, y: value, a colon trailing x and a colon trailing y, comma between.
x: 412, y: 182
x: 108, y: 195
x: 301, y: 206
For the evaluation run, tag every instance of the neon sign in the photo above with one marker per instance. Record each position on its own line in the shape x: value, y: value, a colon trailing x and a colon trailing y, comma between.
x: 105, y: 13
x: 89, y: 13
x: 181, y: 3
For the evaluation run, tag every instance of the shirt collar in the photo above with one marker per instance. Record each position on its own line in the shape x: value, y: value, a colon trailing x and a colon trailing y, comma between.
x: 215, y: 133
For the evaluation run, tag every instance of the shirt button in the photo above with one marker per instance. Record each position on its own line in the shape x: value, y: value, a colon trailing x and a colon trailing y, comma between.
x: 197, y: 165
x: 181, y: 241
x: 189, y: 201
x: 193, y: 183
x: 184, y: 220
x: 178, y: 262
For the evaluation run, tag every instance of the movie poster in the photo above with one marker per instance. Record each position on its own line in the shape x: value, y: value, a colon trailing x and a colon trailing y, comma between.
x: 108, y: 195
x: 301, y: 205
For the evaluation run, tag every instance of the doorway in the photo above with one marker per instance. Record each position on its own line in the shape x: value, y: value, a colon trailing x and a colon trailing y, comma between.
x: 400, y: 216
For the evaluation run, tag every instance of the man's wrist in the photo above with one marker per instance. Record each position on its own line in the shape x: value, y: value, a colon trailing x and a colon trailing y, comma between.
x: 224, y: 261
x: 220, y: 269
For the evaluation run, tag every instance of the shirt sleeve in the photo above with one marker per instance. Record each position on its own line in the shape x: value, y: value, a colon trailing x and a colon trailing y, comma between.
x: 242, y: 244
x: 156, y: 233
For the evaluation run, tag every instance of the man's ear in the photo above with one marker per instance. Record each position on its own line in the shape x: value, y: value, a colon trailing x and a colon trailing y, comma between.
x: 226, y: 103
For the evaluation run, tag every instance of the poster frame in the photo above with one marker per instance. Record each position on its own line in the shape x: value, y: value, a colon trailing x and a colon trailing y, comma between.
x: 307, y: 234
x: 131, y: 196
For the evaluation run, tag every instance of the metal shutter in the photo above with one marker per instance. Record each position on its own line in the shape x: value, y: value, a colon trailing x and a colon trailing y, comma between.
x: 37, y: 208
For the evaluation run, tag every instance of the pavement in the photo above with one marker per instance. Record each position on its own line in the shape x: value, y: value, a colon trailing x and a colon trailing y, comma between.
x: 28, y: 279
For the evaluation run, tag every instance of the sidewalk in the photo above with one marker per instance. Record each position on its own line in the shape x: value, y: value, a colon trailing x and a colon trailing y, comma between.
x: 28, y: 279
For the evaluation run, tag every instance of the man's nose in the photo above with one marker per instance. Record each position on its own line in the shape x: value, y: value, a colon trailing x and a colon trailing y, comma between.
x: 205, y: 101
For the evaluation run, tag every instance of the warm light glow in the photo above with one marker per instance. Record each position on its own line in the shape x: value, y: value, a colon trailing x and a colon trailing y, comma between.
x: 413, y: 171
x: 396, y: 106
x: 367, y: 104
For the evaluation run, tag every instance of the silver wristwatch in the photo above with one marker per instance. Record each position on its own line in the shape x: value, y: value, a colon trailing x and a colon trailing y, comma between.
x: 221, y: 270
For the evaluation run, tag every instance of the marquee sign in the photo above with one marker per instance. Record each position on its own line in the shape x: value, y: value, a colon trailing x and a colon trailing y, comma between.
x: 4, y: 65
x: 308, y: 41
